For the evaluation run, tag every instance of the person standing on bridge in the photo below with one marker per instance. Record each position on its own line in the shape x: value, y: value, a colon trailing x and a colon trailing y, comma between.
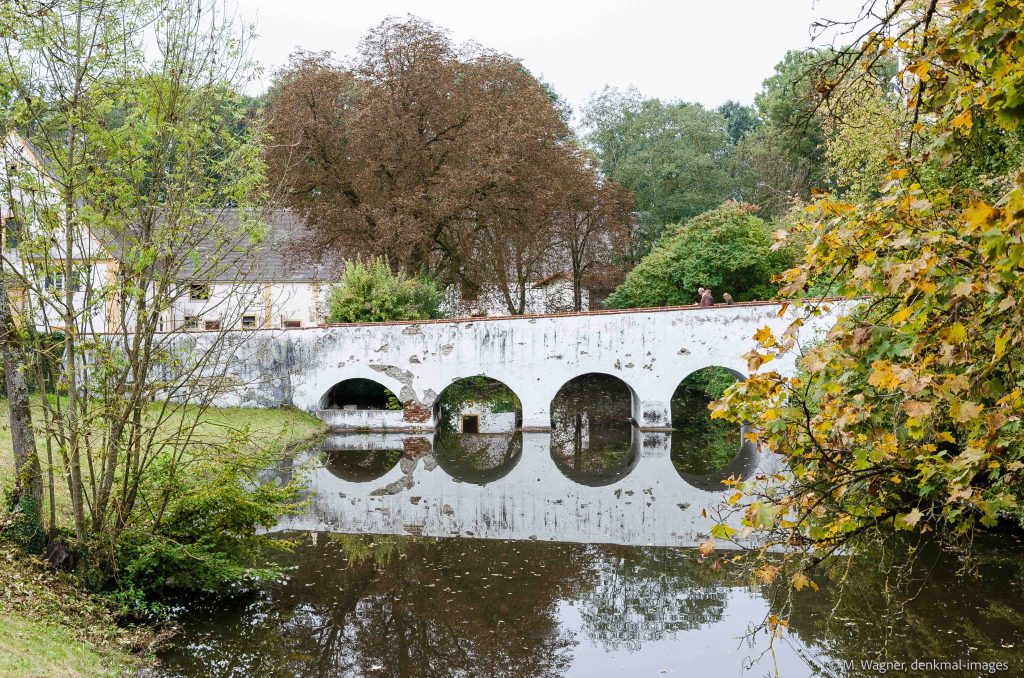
x: 705, y: 298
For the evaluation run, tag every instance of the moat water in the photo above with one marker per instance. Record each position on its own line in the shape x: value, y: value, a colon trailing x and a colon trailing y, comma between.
x: 572, y: 553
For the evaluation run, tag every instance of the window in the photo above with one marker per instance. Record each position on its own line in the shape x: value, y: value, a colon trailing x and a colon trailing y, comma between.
x: 198, y: 292
x: 191, y: 322
x: 471, y: 423
x: 55, y: 282
x: 12, y: 228
x: 211, y: 325
x: 291, y: 324
x: 468, y: 292
x: 248, y: 322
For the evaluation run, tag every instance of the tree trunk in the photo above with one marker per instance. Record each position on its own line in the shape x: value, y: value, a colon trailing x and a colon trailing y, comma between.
x: 28, y: 477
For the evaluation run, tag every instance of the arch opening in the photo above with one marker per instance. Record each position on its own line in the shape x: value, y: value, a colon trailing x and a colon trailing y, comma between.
x: 706, y: 451
x: 359, y: 394
x: 593, y: 440
x: 477, y: 405
x: 478, y: 458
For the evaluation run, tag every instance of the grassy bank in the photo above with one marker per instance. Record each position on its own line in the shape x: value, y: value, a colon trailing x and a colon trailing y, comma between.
x: 50, y: 625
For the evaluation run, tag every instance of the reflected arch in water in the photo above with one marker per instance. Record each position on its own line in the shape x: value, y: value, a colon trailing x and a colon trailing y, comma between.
x: 742, y: 467
x: 593, y: 440
x: 478, y: 458
x: 706, y: 451
x: 355, y: 460
x: 359, y: 394
x: 477, y: 405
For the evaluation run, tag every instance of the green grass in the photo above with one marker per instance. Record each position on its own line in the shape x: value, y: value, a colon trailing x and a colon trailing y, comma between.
x: 273, y: 428
x: 50, y: 626
x: 34, y: 648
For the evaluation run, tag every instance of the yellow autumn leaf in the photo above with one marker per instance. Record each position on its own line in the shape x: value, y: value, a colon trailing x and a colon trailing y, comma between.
x: 912, y: 518
x: 764, y: 336
x: 901, y: 315
x: 964, y: 121
x: 882, y: 375
x: 964, y: 289
x: 978, y: 213
x: 964, y: 411
x: 917, y: 409
x: 1001, y: 341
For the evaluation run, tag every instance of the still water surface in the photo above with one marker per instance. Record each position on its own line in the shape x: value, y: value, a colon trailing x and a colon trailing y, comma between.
x: 526, y: 554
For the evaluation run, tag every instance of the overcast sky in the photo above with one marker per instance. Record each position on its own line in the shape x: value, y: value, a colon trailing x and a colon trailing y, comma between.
x: 698, y: 50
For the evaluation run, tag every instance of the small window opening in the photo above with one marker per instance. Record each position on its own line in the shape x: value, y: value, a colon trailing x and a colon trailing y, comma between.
x: 191, y: 322
x: 198, y: 292
x: 471, y: 423
x: 468, y: 292
x: 212, y: 325
x: 291, y: 324
x: 11, y: 232
x: 248, y: 322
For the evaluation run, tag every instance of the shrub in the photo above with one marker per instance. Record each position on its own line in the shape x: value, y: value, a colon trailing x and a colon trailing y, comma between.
x: 371, y: 292
x: 728, y: 249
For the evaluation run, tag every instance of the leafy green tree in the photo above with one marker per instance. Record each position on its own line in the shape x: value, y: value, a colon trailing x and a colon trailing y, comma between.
x: 371, y: 291
x: 728, y: 249
x: 672, y: 156
x: 739, y: 119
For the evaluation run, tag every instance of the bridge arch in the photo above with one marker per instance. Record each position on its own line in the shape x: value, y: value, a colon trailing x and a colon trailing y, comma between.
x: 706, y: 451
x: 361, y: 399
x: 578, y: 386
x: 594, y: 440
x: 359, y: 393
x: 477, y: 404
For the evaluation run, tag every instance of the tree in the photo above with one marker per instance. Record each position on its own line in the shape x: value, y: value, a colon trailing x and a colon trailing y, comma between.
x: 371, y: 292
x: 739, y: 119
x: 416, y: 149
x: 728, y: 249
x: 906, y: 416
x: 672, y: 156
x: 134, y: 149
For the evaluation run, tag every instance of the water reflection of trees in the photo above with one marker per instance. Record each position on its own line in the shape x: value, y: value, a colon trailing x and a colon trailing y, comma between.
x: 402, y: 607
x: 871, y: 608
x: 702, y: 445
x: 592, y: 438
x: 477, y: 458
x: 646, y: 594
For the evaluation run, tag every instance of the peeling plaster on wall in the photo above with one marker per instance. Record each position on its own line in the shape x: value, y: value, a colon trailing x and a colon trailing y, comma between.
x: 534, y: 356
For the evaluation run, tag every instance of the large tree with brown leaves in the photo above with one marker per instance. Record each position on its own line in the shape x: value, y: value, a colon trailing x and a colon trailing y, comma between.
x: 447, y: 158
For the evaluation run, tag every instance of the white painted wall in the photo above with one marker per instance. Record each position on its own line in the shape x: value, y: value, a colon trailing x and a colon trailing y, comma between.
x: 490, y: 422
x: 650, y: 350
x: 419, y: 497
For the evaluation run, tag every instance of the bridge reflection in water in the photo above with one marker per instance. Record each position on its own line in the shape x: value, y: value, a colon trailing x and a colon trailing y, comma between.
x: 512, y: 485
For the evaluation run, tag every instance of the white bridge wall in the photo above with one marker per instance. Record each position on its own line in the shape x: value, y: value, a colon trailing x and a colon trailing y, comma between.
x: 650, y: 350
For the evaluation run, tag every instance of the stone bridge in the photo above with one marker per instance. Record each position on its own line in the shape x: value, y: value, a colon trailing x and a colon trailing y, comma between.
x: 650, y: 350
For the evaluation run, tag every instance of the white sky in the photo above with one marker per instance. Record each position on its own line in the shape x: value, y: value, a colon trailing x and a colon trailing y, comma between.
x: 696, y: 50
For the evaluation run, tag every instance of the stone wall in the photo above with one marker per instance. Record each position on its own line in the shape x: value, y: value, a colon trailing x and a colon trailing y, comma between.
x: 650, y: 350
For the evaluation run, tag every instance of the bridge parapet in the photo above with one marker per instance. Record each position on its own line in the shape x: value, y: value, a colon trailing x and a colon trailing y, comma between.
x: 651, y: 350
